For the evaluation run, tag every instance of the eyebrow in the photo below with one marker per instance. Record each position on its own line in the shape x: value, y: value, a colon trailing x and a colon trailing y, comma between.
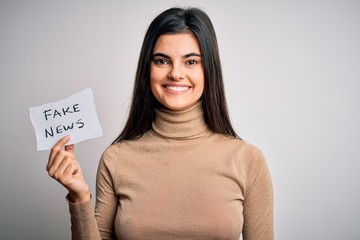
x: 159, y: 54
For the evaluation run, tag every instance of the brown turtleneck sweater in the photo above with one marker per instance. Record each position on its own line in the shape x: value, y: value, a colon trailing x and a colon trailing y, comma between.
x: 179, y: 181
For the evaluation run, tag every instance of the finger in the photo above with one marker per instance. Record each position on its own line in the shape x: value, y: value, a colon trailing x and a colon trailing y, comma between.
x: 70, y: 148
x: 67, y: 176
x: 56, y: 148
x: 59, y: 145
x: 58, y: 159
x: 75, y: 165
x: 75, y: 171
x: 66, y: 168
x: 57, y: 170
x: 72, y: 170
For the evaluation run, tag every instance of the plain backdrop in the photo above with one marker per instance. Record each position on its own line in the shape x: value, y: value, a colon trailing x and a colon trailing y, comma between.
x: 292, y: 79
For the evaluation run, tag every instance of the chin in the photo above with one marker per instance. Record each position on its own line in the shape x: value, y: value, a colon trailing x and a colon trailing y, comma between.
x: 179, y: 106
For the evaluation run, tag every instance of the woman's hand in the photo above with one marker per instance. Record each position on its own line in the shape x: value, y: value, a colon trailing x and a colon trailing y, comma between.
x: 64, y: 168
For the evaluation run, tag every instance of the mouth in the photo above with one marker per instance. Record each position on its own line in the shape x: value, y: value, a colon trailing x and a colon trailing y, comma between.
x: 176, y: 89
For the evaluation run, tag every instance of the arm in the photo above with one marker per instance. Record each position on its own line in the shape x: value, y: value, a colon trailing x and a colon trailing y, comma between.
x: 63, y: 167
x: 258, y: 202
x: 85, y: 224
x: 107, y: 200
x: 99, y: 225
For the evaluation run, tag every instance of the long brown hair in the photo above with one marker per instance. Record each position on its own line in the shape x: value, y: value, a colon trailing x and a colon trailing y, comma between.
x: 173, y: 21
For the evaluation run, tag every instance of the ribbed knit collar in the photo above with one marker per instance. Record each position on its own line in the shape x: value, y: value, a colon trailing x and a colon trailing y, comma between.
x: 184, y: 124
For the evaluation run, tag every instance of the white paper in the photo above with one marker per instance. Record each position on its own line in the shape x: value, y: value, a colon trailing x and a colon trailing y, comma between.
x: 75, y: 115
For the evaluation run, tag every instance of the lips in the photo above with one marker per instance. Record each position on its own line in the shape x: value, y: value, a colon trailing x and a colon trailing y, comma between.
x: 177, y: 89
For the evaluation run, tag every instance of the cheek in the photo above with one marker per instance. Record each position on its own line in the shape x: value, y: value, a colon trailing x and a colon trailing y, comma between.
x: 156, y: 75
x: 153, y: 77
x: 153, y: 87
x: 199, y: 80
x: 155, y: 80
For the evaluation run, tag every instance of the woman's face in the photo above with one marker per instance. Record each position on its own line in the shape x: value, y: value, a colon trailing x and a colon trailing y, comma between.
x: 176, y: 72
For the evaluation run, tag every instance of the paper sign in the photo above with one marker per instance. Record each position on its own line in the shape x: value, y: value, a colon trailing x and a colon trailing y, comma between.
x: 75, y: 115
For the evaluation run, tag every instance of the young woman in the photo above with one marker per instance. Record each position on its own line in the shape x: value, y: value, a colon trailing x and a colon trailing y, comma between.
x: 177, y: 170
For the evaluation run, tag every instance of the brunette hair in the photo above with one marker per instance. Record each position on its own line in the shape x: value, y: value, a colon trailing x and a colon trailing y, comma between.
x: 173, y: 21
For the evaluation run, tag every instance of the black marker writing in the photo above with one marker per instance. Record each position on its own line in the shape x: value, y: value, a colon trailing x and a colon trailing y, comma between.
x: 61, y: 128
x: 62, y: 112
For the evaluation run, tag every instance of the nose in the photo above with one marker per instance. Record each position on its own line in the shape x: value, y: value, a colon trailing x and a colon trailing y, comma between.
x: 176, y: 73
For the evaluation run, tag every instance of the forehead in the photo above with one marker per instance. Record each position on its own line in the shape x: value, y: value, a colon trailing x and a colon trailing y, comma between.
x: 180, y: 43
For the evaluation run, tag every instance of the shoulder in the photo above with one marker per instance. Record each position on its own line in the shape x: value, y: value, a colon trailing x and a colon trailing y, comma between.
x: 250, y: 152
x: 247, y: 160
x: 108, y: 159
x: 252, y: 165
x: 250, y: 155
x: 242, y: 148
x: 112, y: 155
x: 111, y: 152
x: 246, y: 156
x: 117, y: 150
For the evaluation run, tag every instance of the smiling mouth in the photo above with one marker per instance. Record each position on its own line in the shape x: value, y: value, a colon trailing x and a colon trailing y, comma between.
x: 177, y: 88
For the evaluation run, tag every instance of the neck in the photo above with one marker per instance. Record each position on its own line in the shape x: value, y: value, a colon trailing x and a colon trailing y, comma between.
x: 184, y: 124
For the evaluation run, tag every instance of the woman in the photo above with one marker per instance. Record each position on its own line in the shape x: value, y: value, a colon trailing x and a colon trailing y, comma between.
x: 177, y: 170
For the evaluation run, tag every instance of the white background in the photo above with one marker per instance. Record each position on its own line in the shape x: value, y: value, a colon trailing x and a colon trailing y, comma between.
x: 292, y: 72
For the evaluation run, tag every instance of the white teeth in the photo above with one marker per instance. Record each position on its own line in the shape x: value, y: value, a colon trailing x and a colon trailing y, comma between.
x: 177, y: 89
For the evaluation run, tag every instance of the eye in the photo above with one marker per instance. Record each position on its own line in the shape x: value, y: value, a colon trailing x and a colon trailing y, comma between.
x: 160, y: 61
x: 192, y: 62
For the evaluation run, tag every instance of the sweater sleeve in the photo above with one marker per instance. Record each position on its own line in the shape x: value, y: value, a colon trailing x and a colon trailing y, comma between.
x: 258, y: 200
x: 95, y: 224
x: 83, y: 222
x: 106, y: 198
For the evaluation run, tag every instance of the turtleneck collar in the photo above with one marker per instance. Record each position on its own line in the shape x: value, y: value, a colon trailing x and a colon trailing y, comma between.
x: 184, y: 124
